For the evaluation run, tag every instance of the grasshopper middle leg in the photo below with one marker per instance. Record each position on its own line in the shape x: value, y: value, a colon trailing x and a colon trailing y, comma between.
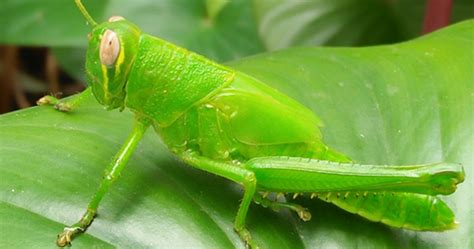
x: 237, y: 174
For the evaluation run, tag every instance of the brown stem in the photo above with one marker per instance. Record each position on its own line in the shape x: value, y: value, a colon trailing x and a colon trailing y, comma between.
x: 437, y: 14
x: 10, y: 79
x: 6, y: 83
x: 52, y: 73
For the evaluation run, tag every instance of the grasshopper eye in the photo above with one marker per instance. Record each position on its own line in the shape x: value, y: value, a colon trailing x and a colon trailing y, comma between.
x: 109, y: 48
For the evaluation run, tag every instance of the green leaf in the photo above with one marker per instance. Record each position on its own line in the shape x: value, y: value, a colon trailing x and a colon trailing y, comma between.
x: 403, y: 103
x: 285, y: 23
x: 214, y: 7
x: 48, y: 22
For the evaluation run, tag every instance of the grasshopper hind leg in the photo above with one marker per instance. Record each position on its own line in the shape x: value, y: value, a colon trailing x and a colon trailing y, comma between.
x: 265, y: 201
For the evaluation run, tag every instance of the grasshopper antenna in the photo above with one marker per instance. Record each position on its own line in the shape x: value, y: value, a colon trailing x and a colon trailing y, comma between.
x: 85, y: 13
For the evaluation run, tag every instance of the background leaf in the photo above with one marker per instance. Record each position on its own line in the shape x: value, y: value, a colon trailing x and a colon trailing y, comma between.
x: 231, y: 34
x: 284, y: 23
x: 240, y: 27
x: 403, y: 103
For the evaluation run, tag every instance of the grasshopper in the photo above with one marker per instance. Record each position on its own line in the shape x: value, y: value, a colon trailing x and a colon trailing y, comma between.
x: 230, y: 124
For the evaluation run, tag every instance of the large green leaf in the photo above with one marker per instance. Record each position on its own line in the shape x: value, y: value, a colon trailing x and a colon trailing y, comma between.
x: 403, y: 103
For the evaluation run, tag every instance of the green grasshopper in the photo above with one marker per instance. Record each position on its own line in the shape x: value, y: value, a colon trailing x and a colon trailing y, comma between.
x: 230, y: 124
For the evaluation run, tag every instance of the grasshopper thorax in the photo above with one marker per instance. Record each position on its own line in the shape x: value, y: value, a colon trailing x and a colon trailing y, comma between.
x: 110, y: 55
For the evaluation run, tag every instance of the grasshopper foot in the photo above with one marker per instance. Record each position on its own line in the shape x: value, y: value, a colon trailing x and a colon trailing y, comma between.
x: 58, y: 104
x: 247, y: 238
x: 303, y: 213
x: 47, y: 100
x: 65, y: 238
x: 63, y: 106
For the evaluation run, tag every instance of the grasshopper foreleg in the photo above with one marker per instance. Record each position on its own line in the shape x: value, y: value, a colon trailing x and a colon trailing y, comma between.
x: 64, y: 105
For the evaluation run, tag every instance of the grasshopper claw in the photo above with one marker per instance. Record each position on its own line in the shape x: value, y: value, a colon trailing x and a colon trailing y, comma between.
x: 304, y: 214
x: 47, y: 100
x: 65, y: 238
x: 63, y: 107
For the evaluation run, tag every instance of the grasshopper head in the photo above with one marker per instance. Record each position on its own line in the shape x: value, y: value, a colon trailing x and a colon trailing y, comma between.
x: 110, y: 55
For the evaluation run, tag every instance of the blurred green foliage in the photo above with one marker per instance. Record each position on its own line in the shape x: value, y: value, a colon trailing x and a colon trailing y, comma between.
x: 237, y: 29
